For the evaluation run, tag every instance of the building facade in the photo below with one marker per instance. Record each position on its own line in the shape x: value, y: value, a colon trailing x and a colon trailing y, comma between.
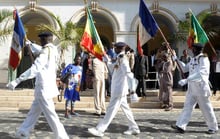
x: 115, y: 21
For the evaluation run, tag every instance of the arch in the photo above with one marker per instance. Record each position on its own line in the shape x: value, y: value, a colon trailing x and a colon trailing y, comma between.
x: 168, y: 22
x: 162, y: 12
x: 102, y: 11
x: 39, y: 12
x: 105, y: 22
x: 211, y: 25
x: 209, y: 11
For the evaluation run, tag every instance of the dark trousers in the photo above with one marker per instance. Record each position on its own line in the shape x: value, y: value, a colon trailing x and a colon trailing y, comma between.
x: 141, y: 88
x: 185, y: 87
x: 216, y: 82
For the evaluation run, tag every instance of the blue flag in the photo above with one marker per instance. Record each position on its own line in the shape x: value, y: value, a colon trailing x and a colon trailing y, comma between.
x: 147, y: 26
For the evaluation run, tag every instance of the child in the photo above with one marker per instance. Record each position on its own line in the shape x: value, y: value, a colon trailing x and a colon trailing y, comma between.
x: 72, y: 86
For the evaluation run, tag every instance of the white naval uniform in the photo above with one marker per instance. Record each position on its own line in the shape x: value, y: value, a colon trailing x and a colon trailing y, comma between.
x: 44, y: 69
x: 198, y: 92
x: 119, y: 91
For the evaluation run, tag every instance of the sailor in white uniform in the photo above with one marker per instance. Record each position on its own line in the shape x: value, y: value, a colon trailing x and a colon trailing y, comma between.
x: 198, y: 91
x: 44, y: 70
x: 119, y: 91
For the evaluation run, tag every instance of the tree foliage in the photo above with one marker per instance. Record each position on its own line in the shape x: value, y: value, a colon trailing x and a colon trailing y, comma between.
x: 211, y: 31
x: 5, y: 27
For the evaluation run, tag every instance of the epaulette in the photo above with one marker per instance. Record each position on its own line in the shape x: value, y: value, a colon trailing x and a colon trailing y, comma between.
x: 45, y: 46
x: 121, y: 56
x: 203, y: 55
x: 48, y: 51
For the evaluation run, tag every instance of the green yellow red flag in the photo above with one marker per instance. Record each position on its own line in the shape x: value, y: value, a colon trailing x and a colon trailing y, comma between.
x: 196, y: 32
x: 90, y: 39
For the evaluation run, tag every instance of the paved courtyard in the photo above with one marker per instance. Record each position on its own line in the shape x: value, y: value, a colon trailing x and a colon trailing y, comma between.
x: 154, y: 124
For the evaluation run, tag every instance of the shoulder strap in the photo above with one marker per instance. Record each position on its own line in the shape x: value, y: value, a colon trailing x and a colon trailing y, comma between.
x: 203, y: 55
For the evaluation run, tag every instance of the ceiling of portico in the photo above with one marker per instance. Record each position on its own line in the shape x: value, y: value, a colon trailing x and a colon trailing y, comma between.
x: 99, y: 20
x: 103, y: 25
x: 34, y: 18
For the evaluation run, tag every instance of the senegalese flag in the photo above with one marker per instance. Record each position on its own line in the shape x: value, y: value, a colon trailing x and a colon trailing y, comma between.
x: 196, y: 32
x: 90, y: 39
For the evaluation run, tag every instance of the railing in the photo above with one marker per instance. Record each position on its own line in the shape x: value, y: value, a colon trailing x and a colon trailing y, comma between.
x: 152, y: 77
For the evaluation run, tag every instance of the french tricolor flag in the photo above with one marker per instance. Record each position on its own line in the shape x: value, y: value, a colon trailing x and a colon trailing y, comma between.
x: 147, y: 25
x: 17, y: 42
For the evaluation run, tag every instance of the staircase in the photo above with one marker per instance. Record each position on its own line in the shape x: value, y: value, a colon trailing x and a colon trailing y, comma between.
x: 22, y: 99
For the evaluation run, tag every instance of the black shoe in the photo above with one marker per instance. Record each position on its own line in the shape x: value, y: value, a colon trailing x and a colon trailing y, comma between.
x: 68, y: 116
x: 214, y: 93
x: 103, y: 113
x: 168, y: 108
x: 96, y: 114
x: 163, y: 106
x: 211, y: 131
x: 178, y: 129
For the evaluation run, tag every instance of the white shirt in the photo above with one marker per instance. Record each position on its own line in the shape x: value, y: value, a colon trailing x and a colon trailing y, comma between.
x: 44, y: 70
x: 198, y: 79
x: 119, y: 84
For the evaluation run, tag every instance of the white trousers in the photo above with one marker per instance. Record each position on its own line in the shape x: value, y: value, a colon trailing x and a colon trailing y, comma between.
x: 46, y: 106
x: 204, y: 105
x: 113, y: 107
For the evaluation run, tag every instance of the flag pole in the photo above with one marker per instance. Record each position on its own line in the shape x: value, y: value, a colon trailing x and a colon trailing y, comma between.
x: 210, y: 44
x: 168, y: 45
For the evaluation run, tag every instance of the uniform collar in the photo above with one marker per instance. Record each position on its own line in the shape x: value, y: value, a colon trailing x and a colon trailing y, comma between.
x: 121, y: 54
x: 198, y: 55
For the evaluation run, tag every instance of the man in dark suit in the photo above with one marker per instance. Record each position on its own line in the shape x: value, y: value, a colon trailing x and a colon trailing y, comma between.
x: 140, y: 71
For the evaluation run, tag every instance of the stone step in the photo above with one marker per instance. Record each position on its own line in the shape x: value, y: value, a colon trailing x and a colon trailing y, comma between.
x: 90, y: 105
x: 155, y: 105
x: 31, y: 98
x: 21, y: 99
x: 30, y: 92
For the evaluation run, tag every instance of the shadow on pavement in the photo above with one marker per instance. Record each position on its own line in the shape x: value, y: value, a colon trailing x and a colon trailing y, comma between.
x: 4, y: 135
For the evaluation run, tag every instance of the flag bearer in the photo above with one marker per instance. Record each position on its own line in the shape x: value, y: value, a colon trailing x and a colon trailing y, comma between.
x: 198, y: 91
x: 44, y: 70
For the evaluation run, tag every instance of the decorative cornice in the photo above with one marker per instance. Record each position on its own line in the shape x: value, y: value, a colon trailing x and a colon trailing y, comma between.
x: 214, y: 7
x: 94, y: 5
x: 32, y: 5
x: 155, y: 6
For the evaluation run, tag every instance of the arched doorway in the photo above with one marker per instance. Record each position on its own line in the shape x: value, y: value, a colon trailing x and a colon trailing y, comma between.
x: 105, y: 23
x: 103, y: 26
x: 168, y: 30
x: 211, y: 26
x: 167, y: 22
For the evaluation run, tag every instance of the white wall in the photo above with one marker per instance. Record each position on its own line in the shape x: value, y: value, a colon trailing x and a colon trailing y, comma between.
x: 123, y: 10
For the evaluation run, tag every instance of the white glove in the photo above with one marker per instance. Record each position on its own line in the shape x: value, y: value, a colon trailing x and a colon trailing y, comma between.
x: 105, y: 58
x: 130, y: 75
x: 183, y: 82
x: 35, y: 49
x: 27, y: 42
x: 174, y: 58
x: 13, y: 84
